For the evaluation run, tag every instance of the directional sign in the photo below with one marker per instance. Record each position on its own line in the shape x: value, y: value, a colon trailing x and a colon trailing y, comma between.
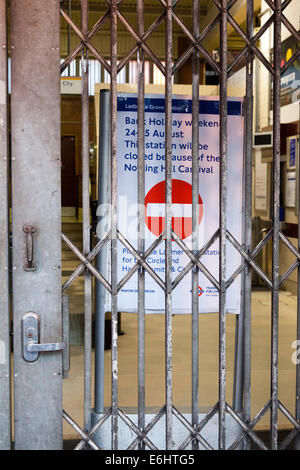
x: 181, y: 208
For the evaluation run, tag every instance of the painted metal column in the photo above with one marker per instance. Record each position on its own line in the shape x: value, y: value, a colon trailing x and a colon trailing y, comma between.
x: 5, y: 426
x: 36, y: 201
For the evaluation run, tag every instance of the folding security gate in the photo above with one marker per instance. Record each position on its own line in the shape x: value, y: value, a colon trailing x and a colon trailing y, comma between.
x: 36, y: 228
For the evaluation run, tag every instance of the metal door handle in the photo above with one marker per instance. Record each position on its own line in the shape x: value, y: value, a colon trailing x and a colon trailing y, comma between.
x: 29, y: 230
x: 44, y: 347
x: 30, y: 337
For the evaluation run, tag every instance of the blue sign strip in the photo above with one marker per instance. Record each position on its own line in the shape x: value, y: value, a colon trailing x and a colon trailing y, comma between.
x: 292, y: 152
x: 179, y: 106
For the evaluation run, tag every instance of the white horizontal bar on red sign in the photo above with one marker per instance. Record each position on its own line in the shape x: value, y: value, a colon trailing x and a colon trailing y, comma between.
x: 177, y: 210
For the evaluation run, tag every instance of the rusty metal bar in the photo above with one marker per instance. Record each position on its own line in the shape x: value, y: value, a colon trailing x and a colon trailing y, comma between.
x: 246, y: 428
x: 79, y: 48
x: 199, y: 38
x: 247, y: 279
x: 95, y: 428
x: 141, y: 42
x: 195, y: 223
x: 193, y: 258
x: 88, y: 441
x: 253, y: 39
x: 114, y: 205
x: 69, y: 33
x: 83, y: 36
x: 142, y: 436
x: 168, y: 225
x: 276, y: 226
x: 222, y: 225
x: 85, y: 261
x: 288, y: 272
x: 141, y: 225
x: 148, y: 428
x: 200, y: 426
x: 141, y: 262
x: 275, y: 215
x: 86, y: 222
x: 195, y: 261
x: 251, y: 425
x: 195, y: 434
x: 250, y: 258
x: 199, y: 46
x: 297, y: 390
x: 145, y: 36
x: 89, y: 258
x: 251, y: 44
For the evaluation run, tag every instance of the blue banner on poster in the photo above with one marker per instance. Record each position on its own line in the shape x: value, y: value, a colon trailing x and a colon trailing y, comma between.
x: 292, y: 152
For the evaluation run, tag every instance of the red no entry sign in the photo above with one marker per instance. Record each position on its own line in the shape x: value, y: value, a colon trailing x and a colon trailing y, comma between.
x: 155, y: 204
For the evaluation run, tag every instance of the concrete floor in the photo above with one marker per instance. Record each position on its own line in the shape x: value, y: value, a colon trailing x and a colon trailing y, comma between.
x: 208, y: 357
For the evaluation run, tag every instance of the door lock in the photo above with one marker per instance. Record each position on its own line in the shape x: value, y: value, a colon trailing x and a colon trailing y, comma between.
x: 30, y: 336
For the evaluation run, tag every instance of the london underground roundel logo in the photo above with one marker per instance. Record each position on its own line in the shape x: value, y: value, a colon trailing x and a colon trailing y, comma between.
x: 155, y: 204
x: 200, y: 291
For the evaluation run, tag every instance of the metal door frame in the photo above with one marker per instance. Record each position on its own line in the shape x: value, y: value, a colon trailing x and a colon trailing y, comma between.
x: 5, y: 402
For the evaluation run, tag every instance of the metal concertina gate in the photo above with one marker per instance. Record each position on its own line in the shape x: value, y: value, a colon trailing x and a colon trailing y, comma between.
x: 35, y: 169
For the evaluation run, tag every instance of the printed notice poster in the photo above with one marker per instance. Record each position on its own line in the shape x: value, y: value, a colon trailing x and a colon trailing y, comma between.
x: 290, y: 189
x: 208, y: 207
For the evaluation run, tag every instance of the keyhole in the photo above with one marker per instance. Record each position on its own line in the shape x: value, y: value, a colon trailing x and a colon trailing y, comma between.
x: 30, y: 332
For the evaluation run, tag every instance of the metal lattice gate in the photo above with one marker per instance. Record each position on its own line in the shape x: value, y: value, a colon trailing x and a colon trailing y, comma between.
x: 36, y: 229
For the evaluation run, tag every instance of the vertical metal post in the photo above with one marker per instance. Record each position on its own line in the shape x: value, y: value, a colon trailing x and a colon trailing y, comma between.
x: 85, y: 155
x: 195, y: 223
x: 5, y: 404
x: 276, y: 226
x: 36, y: 200
x: 168, y: 219
x: 222, y: 237
x: 248, y: 221
x: 102, y: 257
x: 297, y: 411
x: 114, y: 203
x: 141, y: 229
x: 69, y: 36
x: 242, y: 379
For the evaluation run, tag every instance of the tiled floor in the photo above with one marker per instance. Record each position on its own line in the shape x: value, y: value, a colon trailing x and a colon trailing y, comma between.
x: 208, y: 357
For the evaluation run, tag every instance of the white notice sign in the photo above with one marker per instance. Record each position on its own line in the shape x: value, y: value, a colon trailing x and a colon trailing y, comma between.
x: 290, y: 189
x: 208, y: 207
